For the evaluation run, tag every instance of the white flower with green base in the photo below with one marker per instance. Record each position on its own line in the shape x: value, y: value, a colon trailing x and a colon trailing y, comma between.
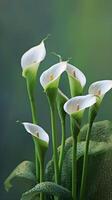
x: 75, y: 108
x: 33, y: 57
x: 100, y: 88
x: 38, y: 132
x: 30, y: 62
x: 41, y: 141
x: 50, y: 78
x: 77, y: 80
x: 50, y: 82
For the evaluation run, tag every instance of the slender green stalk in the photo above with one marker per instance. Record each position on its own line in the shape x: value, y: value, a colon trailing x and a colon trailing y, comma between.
x: 41, y: 175
x: 34, y: 119
x: 74, y: 169
x: 54, y: 142
x: 62, y: 146
x: 85, y: 164
x: 37, y: 163
x: 32, y: 103
x: 74, y: 160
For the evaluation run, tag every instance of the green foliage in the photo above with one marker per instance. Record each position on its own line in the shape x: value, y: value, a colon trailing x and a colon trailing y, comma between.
x: 24, y: 170
x: 101, y: 131
x: 47, y: 188
x: 100, y: 161
x: 99, y: 179
x: 49, y: 171
x: 96, y: 149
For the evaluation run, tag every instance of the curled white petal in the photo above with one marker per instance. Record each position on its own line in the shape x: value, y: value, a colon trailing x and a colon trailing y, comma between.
x: 36, y: 131
x: 99, y: 88
x: 34, y: 55
x: 76, y: 73
x: 52, y: 74
x: 78, y: 103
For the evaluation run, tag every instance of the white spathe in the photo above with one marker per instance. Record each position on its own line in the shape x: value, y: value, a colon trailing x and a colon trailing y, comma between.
x: 100, y: 88
x: 76, y: 73
x: 36, y: 131
x: 52, y: 74
x: 35, y: 55
x: 79, y: 103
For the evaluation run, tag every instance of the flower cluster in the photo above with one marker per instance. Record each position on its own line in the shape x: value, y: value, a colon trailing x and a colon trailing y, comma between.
x: 73, y: 106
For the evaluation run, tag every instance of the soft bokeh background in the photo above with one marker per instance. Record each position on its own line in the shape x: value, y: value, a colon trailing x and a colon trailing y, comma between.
x: 80, y: 29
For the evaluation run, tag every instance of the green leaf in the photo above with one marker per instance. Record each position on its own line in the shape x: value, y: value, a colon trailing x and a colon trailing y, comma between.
x: 49, y: 188
x: 101, y: 131
x: 49, y: 171
x: 99, y: 178
x: 96, y: 148
x: 99, y: 182
x: 24, y: 171
x: 100, y: 161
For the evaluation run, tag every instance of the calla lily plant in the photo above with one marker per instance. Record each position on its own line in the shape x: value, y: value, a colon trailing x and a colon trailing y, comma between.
x: 50, y: 81
x: 75, y: 108
x: 50, y: 180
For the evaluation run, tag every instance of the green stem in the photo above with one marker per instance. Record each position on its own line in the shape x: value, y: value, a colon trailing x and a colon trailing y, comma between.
x: 34, y: 120
x: 74, y: 169
x: 85, y: 164
x: 37, y: 163
x: 32, y: 102
x: 62, y: 146
x: 41, y: 175
x: 74, y: 161
x: 54, y: 142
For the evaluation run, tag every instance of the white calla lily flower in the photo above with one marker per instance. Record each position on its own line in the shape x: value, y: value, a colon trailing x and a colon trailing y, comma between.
x: 36, y: 131
x: 50, y: 81
x: 100, y: 88
x: 76, y: 73
x: 33, y: 56
x: 77, y: 80
x: 30, y: 62
x: 51, y: 76
x: 79, y: 103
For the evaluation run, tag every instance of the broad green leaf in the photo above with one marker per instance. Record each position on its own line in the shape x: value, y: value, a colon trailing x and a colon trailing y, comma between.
x: 99, y: 179
x: 96, y: 148
x: 24, y: 171
x: 49, y: 171
x: 101, y: 131
x: 49, y: 188
x: 100, y: 161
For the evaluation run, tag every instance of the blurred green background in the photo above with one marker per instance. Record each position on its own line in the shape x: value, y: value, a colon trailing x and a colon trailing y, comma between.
x: 80, y: 29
